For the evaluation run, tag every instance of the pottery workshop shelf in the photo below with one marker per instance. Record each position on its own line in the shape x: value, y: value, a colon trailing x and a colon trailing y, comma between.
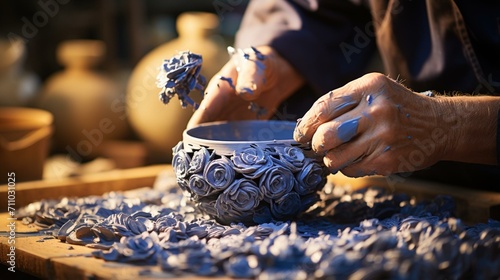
x: 47, y: 257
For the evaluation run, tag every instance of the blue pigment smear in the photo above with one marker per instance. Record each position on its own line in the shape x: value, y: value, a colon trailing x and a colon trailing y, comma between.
x: 229, y: 81
x: 347, y: 102
x: 407, y: 115
x: 387, y: 148
x: 247, y: 90
x: 409, y: 137
x: 348, y: 129
x: 399, y: 107
x: 369, y: 99
x: 258, y: 54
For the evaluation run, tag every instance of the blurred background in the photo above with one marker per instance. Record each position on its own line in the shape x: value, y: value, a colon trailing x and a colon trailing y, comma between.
x: 78, y: 80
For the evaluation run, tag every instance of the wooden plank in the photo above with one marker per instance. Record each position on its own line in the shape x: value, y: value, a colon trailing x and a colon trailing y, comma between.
x: 92, y: 184
x: 54, y: 259
x: 473, y: 206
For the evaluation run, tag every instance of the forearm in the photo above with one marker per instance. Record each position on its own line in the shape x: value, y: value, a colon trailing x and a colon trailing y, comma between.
x: 470, y: 125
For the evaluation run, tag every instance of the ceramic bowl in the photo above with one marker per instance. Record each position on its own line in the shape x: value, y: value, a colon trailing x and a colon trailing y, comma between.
x: 248, y: 171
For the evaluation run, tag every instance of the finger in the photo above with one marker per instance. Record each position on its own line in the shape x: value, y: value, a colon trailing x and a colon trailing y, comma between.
x: 252, y: 73
x: 326, y: 108
x: 341, y: 157
x: 217, y: 93
x: 357, y: 158
x: 338, y: 131
x: 361, y: 157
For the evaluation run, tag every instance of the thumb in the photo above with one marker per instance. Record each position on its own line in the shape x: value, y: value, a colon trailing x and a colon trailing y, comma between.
x: 251, y: 66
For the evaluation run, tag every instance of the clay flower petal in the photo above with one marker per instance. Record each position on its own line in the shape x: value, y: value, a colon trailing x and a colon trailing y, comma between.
x: 290, y: 157
x: 238, y: 200
x: 276, y: 182
x: 286, y: 206
x: 199, y: 186
x: 219, y: 173
x: 310, y: 178
x: 251, y: 161
x: 180, y: 163
x: 199, y: 160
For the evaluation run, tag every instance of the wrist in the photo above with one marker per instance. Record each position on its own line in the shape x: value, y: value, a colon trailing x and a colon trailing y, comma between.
x: 448, y: 122
x: 470, y: 125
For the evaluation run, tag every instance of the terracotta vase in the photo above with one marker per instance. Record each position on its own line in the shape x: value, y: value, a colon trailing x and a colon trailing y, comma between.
x: 18, y: 87
x: 159, y: 125
x: 85, y: 103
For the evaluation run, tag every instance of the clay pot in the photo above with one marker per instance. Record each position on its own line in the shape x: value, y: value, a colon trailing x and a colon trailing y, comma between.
x: 85, y: 103
x: 159, y: 125
x: 25, y: 135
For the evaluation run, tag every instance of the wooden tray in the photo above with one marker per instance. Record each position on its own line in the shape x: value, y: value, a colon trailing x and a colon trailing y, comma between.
x: 53, y: 259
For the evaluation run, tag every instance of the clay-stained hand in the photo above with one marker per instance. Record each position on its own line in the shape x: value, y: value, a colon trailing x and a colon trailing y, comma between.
x: 253, y: 77
x: 374, y: 125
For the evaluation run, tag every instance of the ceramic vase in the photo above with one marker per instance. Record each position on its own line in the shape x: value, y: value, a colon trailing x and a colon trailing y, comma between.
x: 85, y: 102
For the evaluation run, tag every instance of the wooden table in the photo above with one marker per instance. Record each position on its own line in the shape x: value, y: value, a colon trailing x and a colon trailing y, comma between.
x: 53, y: 259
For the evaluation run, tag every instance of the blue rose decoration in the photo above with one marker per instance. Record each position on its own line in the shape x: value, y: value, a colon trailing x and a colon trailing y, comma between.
x: 219, y: 173
x: 276, y: 182
x: 200, y: 186
x: 199, y: 160
x: 178, y: 147
x: 287, y: 206
x: 238, y: 200
x: 254, y: 185
x: 310, y: 178
x: 207, y: 206
x: 252, y: 162
x: 180, y: 163
x: 179, y: 76
x: 288, y: 156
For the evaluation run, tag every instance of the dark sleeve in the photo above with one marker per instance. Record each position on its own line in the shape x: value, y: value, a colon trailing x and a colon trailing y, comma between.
x: 328, y: 42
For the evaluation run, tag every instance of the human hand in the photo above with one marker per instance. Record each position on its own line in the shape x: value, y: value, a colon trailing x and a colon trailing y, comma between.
x: 374, y: 125
x: 263, y: 81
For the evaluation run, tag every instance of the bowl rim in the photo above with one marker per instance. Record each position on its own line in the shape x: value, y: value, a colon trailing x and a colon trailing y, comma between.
x: 192, y: 143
